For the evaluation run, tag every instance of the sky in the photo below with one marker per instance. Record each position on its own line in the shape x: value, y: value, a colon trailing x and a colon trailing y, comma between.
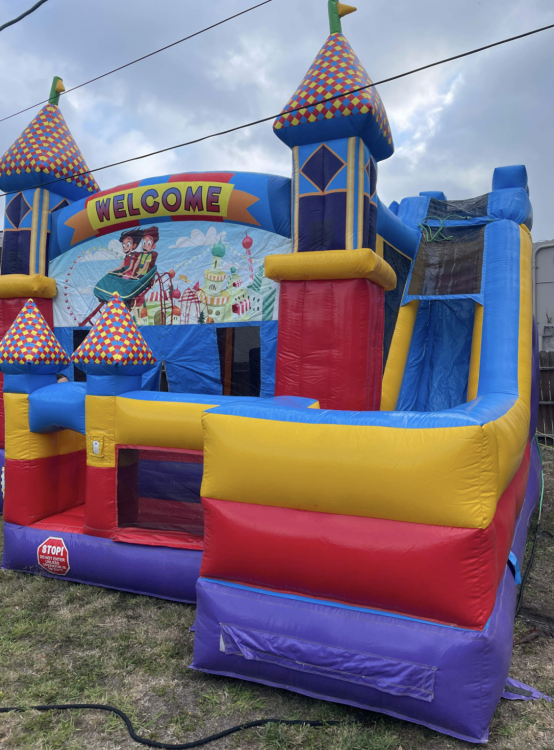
x: 451, y: 125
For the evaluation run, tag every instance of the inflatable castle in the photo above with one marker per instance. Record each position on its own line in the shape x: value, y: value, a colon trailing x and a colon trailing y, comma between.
x: 309, y: 413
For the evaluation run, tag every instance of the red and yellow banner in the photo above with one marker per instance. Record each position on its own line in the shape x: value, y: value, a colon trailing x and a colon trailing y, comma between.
x: 180, y: 201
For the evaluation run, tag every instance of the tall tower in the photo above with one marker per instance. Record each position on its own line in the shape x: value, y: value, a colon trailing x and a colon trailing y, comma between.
x: 332, y: 288
x: 44, y: 152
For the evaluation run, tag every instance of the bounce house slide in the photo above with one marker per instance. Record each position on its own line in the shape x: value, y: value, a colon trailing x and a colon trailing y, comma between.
x: 372, y: 557
x: 341, y: 469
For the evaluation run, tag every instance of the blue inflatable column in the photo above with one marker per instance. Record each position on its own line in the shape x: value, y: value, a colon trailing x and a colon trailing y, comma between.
x: 334, y: 205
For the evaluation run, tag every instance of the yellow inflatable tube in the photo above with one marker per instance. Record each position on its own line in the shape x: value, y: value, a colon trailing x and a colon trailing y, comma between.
x: 451, y: 476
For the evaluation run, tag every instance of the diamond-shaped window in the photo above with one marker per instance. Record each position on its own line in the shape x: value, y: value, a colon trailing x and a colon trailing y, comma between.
x: 17, y: 209
x: 60, y: 205
x: 322, y: 167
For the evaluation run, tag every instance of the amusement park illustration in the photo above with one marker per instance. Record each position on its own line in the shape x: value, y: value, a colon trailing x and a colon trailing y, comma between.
x: 168, y: 279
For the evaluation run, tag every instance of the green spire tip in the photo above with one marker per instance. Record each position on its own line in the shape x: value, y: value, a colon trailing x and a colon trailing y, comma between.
x: 55, y: 90
x: 336, y: 11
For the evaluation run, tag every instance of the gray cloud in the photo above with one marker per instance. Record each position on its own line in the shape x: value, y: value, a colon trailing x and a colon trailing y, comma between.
x: 452, y: 125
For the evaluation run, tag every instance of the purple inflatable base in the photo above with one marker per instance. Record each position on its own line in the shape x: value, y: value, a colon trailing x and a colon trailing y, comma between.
x: 162, y: 572
x: 448, y: 679
x: 514, y: 690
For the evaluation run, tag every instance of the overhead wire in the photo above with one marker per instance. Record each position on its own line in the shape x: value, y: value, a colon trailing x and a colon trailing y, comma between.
x: 23, y: 15
x: 289, y: 111
x: 139, y: 59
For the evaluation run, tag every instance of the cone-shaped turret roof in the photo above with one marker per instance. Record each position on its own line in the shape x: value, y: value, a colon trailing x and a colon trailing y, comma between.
x: 47, y: 151
x: 335, y: 70
x: 114, y: 339
x: 30, y: 341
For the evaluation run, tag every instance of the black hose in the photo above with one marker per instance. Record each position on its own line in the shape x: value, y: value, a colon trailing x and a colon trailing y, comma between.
x: 167, y: 745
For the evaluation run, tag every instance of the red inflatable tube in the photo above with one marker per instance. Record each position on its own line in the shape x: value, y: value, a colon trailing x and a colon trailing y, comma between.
x: 439, y: 573
x: 330, y: 343
x: 101, y: 501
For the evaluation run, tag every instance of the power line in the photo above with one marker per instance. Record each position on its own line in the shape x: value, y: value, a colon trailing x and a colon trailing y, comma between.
x: 23, y: 15
x: 289, y: 111
x: 133, y: 62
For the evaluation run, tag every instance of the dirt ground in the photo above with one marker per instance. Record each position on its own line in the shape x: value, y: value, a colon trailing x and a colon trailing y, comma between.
x: 63, y: 642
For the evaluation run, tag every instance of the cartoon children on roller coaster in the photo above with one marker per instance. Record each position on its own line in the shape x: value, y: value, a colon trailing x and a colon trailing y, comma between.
x: 139, y: 247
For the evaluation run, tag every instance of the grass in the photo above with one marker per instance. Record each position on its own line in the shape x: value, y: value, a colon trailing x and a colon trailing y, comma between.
x: 62, y: 643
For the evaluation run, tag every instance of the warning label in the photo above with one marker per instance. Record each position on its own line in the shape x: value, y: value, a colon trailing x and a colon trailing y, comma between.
x: 52, y: 555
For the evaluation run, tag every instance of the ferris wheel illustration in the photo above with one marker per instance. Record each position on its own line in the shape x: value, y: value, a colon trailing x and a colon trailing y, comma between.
x: 87, y: 265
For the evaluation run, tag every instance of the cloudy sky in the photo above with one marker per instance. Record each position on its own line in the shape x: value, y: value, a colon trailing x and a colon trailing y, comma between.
x: 451, y: 125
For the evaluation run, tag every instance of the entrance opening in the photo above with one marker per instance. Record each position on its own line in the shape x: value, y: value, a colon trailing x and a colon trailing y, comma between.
x: 79, y: 335
x: 239, y: 360
x: 159, y: 489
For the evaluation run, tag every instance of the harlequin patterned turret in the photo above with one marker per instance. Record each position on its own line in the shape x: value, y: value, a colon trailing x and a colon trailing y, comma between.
x: 43, y: 171
x: 44, y: 152
x: 336, y: 70
x: 336, y: 144
x: 30, y: 343
x: 114, y: 340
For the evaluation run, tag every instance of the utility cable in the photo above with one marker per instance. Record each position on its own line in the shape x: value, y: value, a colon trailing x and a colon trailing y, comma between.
x: 171, y: 746
x: 36, y: 6
x: 132, y: 62
x: 288, y: 111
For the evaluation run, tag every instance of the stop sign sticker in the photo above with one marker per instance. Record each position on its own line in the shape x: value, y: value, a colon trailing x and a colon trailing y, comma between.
x: 53, y: 556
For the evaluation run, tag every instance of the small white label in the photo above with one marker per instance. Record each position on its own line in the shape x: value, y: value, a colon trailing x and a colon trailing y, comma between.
x: 96, y: 447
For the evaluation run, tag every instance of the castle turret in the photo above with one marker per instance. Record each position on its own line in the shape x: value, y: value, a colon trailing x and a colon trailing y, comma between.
x: 30, y: 348
x: 43, y: 153
x: 331, y: 308
x: 114, y: 355
x: 336, y: 145
x: 114, y: 346
x: 30, y: 357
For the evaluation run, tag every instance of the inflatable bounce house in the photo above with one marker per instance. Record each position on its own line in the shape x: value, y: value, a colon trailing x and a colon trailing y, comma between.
x: 309, y: 413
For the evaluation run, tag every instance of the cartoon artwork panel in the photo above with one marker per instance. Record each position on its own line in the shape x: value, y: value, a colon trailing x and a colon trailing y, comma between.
x: 170, y: 274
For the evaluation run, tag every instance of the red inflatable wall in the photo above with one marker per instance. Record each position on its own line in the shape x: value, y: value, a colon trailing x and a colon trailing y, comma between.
x: 440, y: 573
x: 330, y: 343
x: 43, y: 487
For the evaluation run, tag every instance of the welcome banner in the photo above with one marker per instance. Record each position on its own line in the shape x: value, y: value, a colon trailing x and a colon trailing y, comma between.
x: 127, y: 206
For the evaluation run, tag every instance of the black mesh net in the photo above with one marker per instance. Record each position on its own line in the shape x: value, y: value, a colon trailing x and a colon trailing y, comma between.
x: 450, y: 266
x: 475, y: 208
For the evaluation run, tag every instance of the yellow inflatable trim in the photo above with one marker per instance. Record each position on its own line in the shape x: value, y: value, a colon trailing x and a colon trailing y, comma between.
x: 475, y: 360
x: 24, y: 445
x: 112, y: 421
x: 160, y: 424
x: 100, y: 429
x: 21, y: 285
x: 329, y: 265
x: 398, y: 355
x: 452, y: 476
